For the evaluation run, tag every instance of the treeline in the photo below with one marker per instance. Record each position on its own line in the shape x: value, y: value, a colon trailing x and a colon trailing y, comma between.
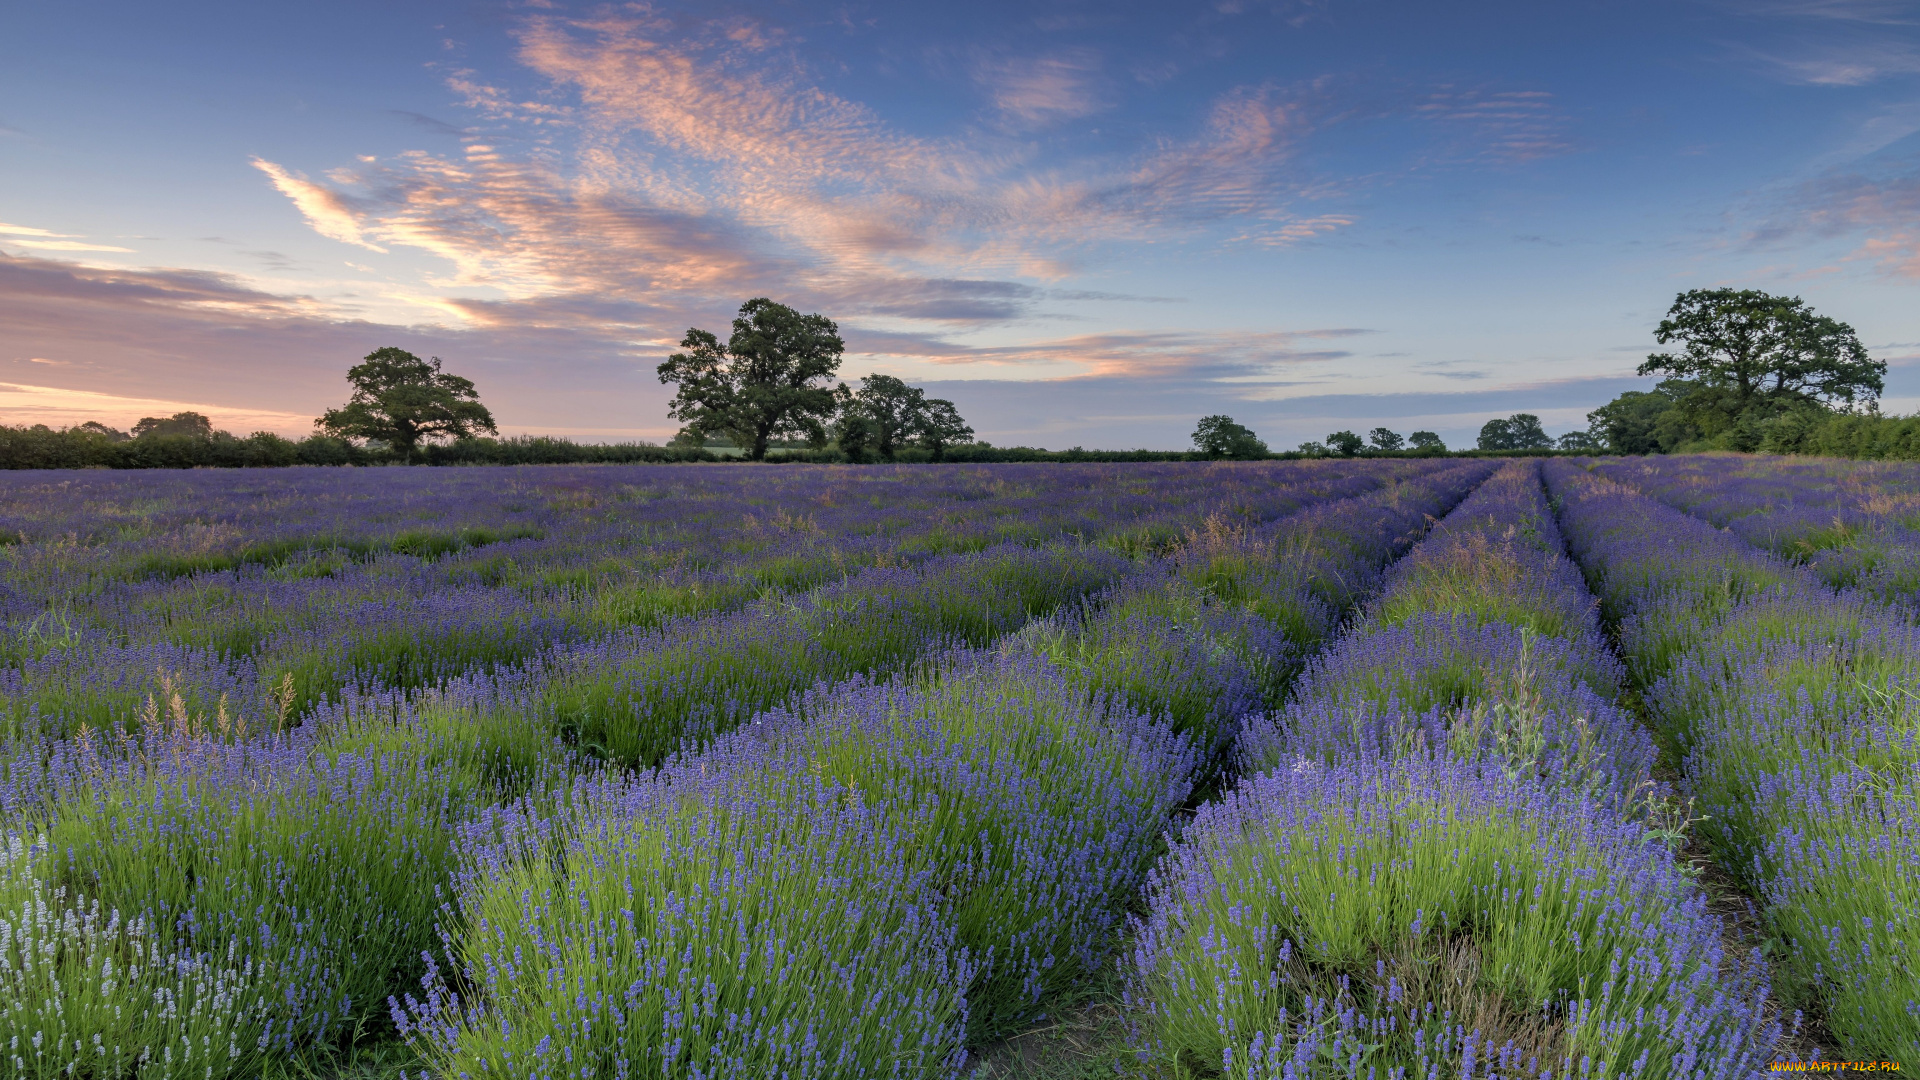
x: 1751, y: 372
x: 1669, y: 420
x: 41, y: 447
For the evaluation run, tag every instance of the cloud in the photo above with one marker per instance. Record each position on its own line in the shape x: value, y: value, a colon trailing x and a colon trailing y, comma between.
x: 1248, y: 357
x: 23, y: 230
x: 1897, y: 254
x: 326, y: 210
x: 182, y: 335
x: 54, y: 406
x: 673, y: 167
x: 1854, y: 63
x: 1883, y: 207
x: 1870, y: 12
x: 1511, y: 126
x: 67, y: 245
x: 1040, y: 91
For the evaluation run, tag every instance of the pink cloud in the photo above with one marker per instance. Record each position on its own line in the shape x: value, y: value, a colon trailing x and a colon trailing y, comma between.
x: 1039, y: 91
x: 676, y: 169
x: 209, y: 339
x: 326, y: 210
x: 1185, y: 356
x: 1884, y: 208
x: 1897, y: 255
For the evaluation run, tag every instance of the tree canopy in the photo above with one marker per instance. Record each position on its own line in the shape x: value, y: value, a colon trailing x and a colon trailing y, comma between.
x: 1385, y: 440
x: 892, y: 410
x: 193, y: 425
x: 1219, y: 436
x: 1751, y: 371
x: 402, y: 400
x: 1345, y: 443
x: 1746, y: 346
x: 1521, y: 431
x: 1426, y: 440
x: 767, y: 381
x: 941, y: 427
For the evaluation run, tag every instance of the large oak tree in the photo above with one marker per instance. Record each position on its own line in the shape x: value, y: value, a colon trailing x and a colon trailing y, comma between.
x: 1742, y: 348
x: 402, y: 400
x: 767, y: 381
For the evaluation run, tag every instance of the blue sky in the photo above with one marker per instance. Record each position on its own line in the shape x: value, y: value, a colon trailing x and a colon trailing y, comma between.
x: 1086, y: 223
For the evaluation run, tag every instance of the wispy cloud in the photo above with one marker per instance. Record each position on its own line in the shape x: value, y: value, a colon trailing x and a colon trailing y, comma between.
x: 58, y: 406
x: 67, y: 245
x: 1881, y: 209
x: 699, y: 162
x: 1850, y: 63
x: 1505, y: 125
x: 1897, y: 254
x: 330, y: 214
x: 25, y: 230
x: 1038, y: 91
x: 40, y: 241
x: 198, y: 337
x: 1187, y: 356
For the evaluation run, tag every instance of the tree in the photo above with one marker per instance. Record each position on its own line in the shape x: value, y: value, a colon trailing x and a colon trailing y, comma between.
x: 895, y: 410
x: 1314, y: 449
x: 1426, y: 441
x: 191, y: 424
x: 856, y: 433
x: 1577, y: 440
x: 1744, y: 347
x: 96, y: 428
x: 1345, y: 443
x: 767, y: 381
x: 402, y: 401
x: 1644, y: 421
x: 1219, y: 436
x: 941, y: 427
x: 1385, y: 440
x: 1521, y: 431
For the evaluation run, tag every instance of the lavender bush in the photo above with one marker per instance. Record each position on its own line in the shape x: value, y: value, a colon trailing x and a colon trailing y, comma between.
x: 1432, y: 918
x: 702, y: 928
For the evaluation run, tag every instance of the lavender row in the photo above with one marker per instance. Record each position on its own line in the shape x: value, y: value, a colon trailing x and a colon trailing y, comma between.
x: 635, y: 698
x: 91, y: 648
x: 1220, y: 630
x: 265, y: 858
x: 1436, y: 874
x: 1853, y: 524
x: 1035, y: 790
x: 1484, y: 641
x: 1789, y: 702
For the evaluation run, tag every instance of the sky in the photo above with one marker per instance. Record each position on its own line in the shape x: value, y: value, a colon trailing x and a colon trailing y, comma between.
x: 1087, y: 224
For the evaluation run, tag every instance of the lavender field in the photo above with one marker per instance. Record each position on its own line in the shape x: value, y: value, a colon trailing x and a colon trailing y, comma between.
x: 1372, y: 768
